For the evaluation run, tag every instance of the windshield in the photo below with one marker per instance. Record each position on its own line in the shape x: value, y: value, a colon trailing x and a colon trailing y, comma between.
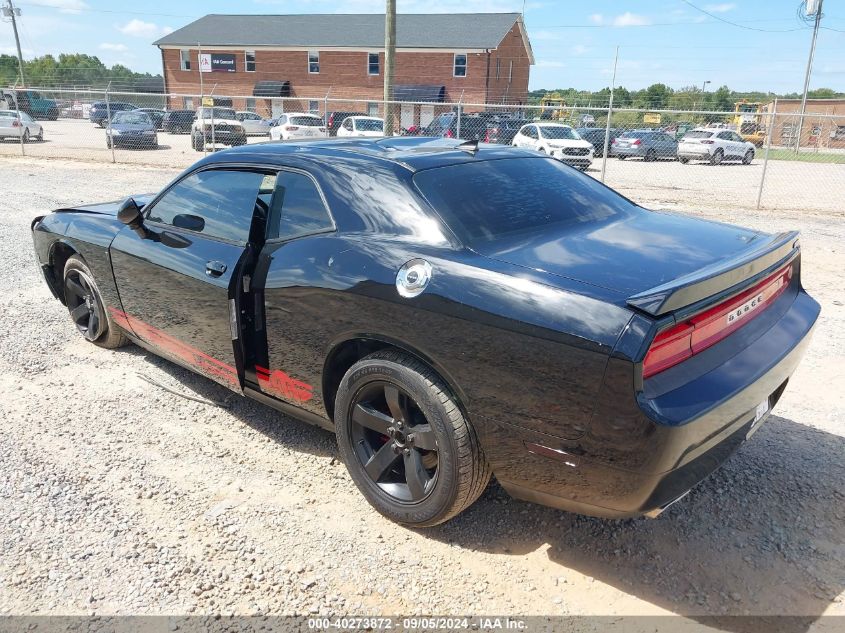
x: 307, y: 121
x: 559, y: 133
x: 369, y: 125
x: 131, y: 118
x: 698, y: 134
x: 485, y: 200
x: 218, y: 113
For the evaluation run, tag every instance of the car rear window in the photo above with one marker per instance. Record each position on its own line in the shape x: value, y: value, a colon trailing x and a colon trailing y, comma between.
x: 698, y: 134
x: 485, y: 200
x: 306, y: 121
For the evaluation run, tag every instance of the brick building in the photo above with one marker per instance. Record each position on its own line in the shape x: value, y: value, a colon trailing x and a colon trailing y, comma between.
x: 271, y: 63
x: 823, y: 126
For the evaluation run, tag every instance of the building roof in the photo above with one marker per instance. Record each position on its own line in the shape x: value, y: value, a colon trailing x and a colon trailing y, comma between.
x: 413, y: 30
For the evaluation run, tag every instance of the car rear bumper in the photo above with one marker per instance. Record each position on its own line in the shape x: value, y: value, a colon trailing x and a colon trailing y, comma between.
x: 628, y: 151
x: 692, y: 439
x: 693, y: 154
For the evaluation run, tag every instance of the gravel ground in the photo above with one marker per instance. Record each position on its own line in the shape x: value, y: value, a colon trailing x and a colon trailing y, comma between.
x: 127, y: 499
x: 790, y: 185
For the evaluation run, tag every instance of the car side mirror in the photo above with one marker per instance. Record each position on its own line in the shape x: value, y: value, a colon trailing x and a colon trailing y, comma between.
x: 130, y: 214
x: 189, y: 222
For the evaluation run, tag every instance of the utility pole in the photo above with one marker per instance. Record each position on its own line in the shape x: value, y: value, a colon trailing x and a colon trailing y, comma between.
x: 809, y: 69
x: 389, y: 63
x: 11, y: 12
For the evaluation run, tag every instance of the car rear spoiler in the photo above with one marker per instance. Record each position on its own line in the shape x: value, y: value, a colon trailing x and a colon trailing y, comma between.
x: 718, y: 278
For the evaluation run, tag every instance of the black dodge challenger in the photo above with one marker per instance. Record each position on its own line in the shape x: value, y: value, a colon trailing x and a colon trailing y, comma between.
x: 450, y: 311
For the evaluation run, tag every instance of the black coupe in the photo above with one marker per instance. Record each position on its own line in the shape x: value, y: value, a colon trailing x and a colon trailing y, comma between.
x: 451, y: 311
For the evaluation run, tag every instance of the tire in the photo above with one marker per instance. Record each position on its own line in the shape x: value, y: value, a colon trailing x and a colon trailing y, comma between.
x: 108, y: 143
x: 620, y: 157
x: 26, y: 135
x: 717, y: 157
x: 197, y: 142
x: 452, y: 471
x: 749, y: 156
x: 650, y: 156
x: 83, y: 299
x: 683, y: 161
x: 40, y: 136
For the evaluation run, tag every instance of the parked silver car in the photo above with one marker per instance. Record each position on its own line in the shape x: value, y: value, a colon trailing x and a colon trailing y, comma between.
x: 253, y: 123
x: 645, y: 144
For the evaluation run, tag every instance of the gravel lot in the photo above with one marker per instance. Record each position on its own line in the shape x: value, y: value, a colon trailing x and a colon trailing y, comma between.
x: 789, y: 185
x: 118, y: 497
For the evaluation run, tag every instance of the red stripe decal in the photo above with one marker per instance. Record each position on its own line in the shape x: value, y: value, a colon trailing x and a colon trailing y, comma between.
x: 281, y: 384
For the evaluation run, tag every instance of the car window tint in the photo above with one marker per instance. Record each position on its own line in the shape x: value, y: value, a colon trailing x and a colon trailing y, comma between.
x: 485, y: 200
x: 298, y: 207
x: 225, y: 200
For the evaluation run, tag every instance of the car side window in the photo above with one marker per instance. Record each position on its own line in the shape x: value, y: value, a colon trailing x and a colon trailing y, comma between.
x: 215, y: 202
x: 725, y: 136
x: 736, y: 137
x: 297, y: 208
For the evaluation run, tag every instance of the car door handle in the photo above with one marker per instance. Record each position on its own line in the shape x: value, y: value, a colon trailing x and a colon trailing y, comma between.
x: 214, y: 268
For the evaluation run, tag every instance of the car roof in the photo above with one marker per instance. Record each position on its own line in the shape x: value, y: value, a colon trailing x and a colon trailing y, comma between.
x: 413, y: 153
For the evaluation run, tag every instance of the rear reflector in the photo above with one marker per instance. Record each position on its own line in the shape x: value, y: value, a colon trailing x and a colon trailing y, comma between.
x: 697, y: 333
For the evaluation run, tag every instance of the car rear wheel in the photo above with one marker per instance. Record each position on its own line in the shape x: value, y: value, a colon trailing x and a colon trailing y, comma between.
x: 651, y: 155
x: 87, y: 309
x: 749, y: 156
x: 197, y: 142
x: 620, y: 157
x: 683, y: 161
x: 717, y: 157
x: 407, y: 445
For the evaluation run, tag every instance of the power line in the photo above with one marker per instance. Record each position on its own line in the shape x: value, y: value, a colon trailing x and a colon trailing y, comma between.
x: 738, y: 25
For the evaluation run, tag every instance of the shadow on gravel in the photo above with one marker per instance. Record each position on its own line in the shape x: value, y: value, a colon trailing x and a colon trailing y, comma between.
x: 762, y: 536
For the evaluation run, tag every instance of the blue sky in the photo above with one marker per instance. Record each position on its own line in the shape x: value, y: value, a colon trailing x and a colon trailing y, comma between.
x: 666, y: 41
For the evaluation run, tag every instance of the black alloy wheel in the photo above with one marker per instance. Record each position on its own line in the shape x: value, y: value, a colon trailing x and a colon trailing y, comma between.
x: 85, y: 308
x: 394, y: 442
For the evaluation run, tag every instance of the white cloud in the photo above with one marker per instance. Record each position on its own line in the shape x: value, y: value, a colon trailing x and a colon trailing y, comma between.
x: 630, y: 19
x: 579, y: 49
x: 118, y: 48
x: 139, y: 28
x: 67, y: 6
x: 723, y: 7
x: 597, y: 18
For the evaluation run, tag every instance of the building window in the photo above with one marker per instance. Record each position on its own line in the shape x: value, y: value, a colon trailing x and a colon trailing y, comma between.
x: 188, y: 103
x: 250, y: 104
x: 372, y: 64
x: 789, y: 131
x: 249, y: 61
x: 839, y: 132
x: 314, y: 62
x: 460, y: 69
x: 372, y: 109
x: 313, y: 106
x: 498, y: 68
x: 510, y: 72
x: 185, y: 59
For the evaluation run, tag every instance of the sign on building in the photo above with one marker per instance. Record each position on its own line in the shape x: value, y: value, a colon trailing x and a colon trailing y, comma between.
x: 217, y: 62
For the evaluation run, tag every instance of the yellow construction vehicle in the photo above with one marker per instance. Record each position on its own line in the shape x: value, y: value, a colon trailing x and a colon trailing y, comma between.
x: 748, y: 118
x: 554, y: 107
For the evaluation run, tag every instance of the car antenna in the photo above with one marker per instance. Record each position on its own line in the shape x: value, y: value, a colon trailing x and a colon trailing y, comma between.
x: 469, y: 146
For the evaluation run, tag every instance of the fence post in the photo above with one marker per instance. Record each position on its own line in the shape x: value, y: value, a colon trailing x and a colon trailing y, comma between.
x: 609, y: 114
x: 766, y: 153
x: 18, y: 110
x: 326, y: 108
x: 460, y: 111
x: 108, y: 123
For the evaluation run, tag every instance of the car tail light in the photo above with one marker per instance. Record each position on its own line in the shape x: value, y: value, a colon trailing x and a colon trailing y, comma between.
x: 291, y: 128
x: 708, y: 142
x: 449, y: 134
x: 614, y: 141
x: 15, y: 123
x: 331, y: 119
x: 637, y: 142
x: 697, y: 333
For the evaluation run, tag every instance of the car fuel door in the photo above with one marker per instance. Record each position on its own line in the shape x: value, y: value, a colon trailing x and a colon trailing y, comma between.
x: 182, y: 275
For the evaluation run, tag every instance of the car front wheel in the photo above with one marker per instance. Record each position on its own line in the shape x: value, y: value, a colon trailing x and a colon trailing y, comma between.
x: 749, y: 156
x: 717, y: 157
x: 87, y: 309
x: 407, y: 445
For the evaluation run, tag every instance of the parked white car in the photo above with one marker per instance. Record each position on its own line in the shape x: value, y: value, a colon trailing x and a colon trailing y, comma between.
x: 298, y: 125
x: 558, y: 141
x: 253, y: 123
x: 714, y: 145
x: 361, y: 126
x: 11, y: 126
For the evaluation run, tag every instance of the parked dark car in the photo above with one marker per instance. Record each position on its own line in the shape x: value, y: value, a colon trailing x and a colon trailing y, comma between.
x: 98, y: 114
x: 132, y: 129
x: 459, y: 311
x: 649, y: 145
x: 472, y: 126
x: 155, y: 114
x: 178, y: 121
x: 503, y: 130
x: 335, y: 119
x: 595, y: 135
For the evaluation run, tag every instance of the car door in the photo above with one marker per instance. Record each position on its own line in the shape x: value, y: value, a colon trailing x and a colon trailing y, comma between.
x: 740, y: 146
x: 180, y: 285
x: 668, y: 145
x: 290, y: 268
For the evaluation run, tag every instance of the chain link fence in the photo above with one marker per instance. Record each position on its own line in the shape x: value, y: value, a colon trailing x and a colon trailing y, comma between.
x: 754, y: 157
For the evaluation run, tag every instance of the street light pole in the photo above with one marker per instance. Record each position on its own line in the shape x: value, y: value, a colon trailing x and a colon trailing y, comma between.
x: 806, y: 74
x: 11, y: 12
